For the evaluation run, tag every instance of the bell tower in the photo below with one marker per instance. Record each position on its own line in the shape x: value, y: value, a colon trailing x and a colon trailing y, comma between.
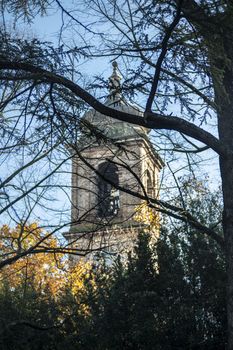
x: 113, y: 162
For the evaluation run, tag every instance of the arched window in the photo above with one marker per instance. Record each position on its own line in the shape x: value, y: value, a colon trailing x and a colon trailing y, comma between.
x: 108, y: 195
x: 149, y: 185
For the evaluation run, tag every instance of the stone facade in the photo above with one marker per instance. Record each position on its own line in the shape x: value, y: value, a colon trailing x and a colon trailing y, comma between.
x: 137, y: 166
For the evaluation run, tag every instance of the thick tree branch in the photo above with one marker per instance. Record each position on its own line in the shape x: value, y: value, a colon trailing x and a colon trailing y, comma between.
x: 193, y: 11
x: 152, y: 120
x: 162, y: 55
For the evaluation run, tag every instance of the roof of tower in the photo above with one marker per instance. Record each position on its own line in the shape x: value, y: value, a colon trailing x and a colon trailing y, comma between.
x: 110, y: 127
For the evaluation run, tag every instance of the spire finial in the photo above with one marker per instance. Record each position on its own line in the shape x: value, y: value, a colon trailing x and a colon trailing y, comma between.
x: 115, y: 65
x: 115, y: 83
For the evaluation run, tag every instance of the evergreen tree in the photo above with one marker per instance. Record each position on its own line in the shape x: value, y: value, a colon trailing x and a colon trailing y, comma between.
x: 170, y: 296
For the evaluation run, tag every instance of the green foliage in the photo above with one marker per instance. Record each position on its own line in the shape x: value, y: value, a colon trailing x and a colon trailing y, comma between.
x: 170, y: 295
x: 24, y: 9
x: 27, y: 322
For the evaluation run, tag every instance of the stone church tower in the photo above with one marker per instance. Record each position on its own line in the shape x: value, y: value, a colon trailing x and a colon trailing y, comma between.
x: 109, y: 156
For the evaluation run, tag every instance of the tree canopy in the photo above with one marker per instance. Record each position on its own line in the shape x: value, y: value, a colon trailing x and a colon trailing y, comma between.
x: 176, y: 57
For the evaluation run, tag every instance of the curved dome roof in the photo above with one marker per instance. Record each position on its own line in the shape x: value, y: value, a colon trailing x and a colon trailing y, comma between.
x: 110, y: 127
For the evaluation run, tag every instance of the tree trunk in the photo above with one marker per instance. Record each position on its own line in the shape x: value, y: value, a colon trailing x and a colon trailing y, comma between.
x: 227, y: 184
x: 220, y: 53
x: 225, y: 123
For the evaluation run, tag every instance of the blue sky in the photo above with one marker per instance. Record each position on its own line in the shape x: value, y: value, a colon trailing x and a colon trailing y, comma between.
x: 47, y: 29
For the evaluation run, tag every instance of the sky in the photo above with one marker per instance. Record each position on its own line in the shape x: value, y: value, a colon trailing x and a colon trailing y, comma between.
x: 47, y: 29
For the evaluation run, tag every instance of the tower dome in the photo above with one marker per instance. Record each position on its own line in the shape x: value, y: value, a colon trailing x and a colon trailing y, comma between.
x: 112, y: 128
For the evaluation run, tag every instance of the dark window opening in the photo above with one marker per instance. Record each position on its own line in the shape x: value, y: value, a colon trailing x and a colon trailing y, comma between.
x: 108, y: 195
